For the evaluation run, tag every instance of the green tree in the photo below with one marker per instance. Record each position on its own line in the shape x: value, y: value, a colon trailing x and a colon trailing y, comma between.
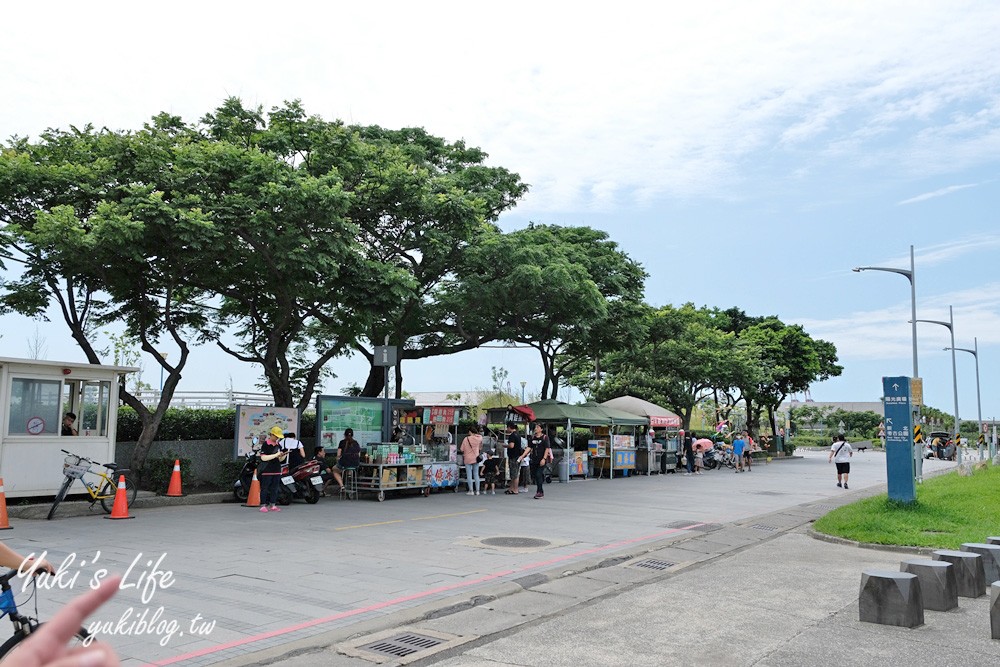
x: 419, y: 203
x: 789, y: 361
x: 83, y: 213
x: 569, y: 292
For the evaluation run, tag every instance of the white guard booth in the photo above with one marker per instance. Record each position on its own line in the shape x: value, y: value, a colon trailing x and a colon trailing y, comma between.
x: 34, y: 398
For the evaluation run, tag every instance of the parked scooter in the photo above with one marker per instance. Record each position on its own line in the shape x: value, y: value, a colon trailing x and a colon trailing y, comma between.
x: 241, y: 487
x: 308, y: 482
x: 709, y: 460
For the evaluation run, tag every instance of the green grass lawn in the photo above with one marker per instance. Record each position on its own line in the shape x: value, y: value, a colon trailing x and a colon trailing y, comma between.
x: 949, y: 510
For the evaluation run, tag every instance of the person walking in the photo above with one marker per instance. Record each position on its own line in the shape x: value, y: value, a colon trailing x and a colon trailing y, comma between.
x: 514, y: 452
x: 739, y: 444
x: 539, y: 453
x: 271, y: 456
x: 688, y: 452
x: 471, y: 446
x: 841, y: 453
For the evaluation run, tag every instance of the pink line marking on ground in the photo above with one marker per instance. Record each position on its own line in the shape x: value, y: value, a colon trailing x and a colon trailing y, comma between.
x: 413, y: 596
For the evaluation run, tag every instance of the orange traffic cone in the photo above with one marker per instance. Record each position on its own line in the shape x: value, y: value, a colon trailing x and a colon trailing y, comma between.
x: 253, y: 496
x: 120, y: 510
x: 174, y: 490
x: 4, y: 521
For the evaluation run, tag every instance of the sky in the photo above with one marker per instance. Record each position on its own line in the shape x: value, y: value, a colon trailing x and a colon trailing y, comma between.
x: 747, y: 154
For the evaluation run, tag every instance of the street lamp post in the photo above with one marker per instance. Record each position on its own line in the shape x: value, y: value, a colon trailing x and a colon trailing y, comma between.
x: 523, y: 382
x: 979, y: 404
x: 950, y: 324
x: 912, y: 277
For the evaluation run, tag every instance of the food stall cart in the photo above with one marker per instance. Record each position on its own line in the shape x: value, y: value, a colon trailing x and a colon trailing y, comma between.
x: 623, y: 452
x: 390, y: 467
x: 568, y: 460
x: 664, y: 422
x: 437, y: 427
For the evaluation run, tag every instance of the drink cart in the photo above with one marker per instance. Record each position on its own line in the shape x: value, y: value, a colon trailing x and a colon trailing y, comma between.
x: 388, y: 466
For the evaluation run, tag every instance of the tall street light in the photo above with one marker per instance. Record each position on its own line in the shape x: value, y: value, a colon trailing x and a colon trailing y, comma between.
x: 979, y: 405
x: 912, y: 277
x: 523, y: 382
x: 954, y: 372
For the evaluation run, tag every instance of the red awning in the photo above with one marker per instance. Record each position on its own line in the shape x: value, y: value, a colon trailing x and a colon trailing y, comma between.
x: 524, y: 411
x: 664, y: 422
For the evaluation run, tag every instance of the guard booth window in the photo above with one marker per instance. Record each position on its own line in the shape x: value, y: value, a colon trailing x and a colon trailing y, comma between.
x: 34, y: 407
x: 95, y: 402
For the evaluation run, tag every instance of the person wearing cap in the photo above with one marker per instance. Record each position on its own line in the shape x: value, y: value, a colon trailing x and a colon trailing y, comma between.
x: 271, y: 456
x: 348, y: 456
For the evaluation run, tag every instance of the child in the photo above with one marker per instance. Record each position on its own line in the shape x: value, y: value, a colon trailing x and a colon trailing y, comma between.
x: 699, y: 459
x: 491, y: 470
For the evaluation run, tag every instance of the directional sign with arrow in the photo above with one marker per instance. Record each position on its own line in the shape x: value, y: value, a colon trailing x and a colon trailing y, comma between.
x: 899, y: 461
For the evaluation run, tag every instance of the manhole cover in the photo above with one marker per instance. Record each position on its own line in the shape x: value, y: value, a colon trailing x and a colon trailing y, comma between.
x: 516, y: 542
x: 402, y: 645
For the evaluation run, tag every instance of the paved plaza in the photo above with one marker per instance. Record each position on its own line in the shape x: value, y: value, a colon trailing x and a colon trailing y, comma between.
x: 709, y: 569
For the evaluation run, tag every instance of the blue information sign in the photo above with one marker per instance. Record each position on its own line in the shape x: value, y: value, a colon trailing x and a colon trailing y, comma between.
x: 899, y: 438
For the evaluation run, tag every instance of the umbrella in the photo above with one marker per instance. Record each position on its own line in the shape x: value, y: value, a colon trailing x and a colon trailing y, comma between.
x: 703, y: 443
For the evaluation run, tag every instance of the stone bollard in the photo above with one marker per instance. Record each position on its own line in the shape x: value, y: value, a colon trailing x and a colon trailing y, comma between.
x: 995, y: 610
x: 890, y: 598
x: 937, y: 582
x: 991, y: 558
x: 993, y: 540
x: 969, y: 573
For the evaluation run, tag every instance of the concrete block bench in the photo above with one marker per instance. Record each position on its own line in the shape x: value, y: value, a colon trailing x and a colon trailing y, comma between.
x: 969, y: 573
x: 938, y: 585
x: 890, y: 598
x: 993, y: 540
x: 991, y: 558
x: 995, y: 610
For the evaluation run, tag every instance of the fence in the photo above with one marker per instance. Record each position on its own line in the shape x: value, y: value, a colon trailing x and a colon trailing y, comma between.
x: 211, y: 400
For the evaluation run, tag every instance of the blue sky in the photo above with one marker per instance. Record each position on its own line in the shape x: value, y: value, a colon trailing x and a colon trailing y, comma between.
x: 747, y: 154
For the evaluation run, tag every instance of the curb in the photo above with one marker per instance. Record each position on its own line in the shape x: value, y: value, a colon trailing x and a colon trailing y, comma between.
x: 143, y: 501
x: 898, y: 548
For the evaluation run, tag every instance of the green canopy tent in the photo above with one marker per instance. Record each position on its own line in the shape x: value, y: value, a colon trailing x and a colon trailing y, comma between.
x: 552, y: 411
x: 621, y: 418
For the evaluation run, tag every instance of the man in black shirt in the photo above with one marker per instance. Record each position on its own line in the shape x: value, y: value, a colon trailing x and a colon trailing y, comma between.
x: 514, y: 455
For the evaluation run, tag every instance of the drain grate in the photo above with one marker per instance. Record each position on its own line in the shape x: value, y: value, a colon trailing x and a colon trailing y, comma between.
x: 765, y: 528
x: 515, y: 542
x: 653, y: 564
x: 402, y: 645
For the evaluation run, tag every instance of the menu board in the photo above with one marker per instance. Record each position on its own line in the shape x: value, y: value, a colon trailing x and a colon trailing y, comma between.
x: 336, y: 413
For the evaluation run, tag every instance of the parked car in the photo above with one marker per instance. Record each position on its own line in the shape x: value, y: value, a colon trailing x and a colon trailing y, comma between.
x: 940, y: 447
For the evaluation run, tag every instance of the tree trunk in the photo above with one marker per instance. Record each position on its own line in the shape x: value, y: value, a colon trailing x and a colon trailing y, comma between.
x: 375, y: 384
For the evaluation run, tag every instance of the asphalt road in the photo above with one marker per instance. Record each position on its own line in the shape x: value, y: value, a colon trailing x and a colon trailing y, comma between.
x: 206, y: 584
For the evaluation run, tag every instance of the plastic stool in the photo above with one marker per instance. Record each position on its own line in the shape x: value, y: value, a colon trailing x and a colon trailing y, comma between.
x: 350, y: 488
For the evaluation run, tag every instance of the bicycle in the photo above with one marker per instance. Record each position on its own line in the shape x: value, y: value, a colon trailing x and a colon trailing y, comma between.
x: 75, y: 467
x: 23, y: 625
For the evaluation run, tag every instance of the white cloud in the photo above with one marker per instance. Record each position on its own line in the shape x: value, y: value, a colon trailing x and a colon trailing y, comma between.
x: 589, y: 105
x: 886, y: 333
x: 936, y: 193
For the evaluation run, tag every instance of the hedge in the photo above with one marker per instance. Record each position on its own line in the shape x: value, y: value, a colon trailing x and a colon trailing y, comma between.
x: 195, y: 424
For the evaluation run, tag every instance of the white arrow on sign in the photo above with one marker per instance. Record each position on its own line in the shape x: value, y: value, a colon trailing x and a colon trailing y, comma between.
x: 888, y: 422
x: 896, y: 386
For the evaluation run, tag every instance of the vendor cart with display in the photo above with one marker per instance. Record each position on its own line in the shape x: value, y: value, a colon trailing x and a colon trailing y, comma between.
x: 391, y: 467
